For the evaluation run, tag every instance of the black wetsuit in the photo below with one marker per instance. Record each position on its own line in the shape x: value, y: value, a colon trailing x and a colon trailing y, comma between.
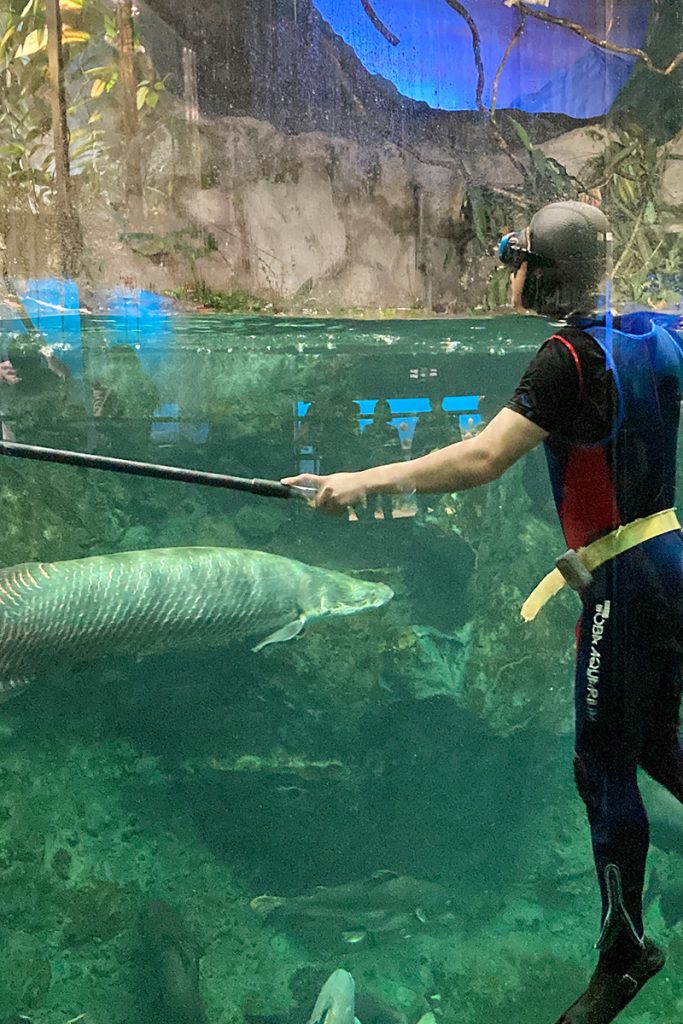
x: 610, y: 401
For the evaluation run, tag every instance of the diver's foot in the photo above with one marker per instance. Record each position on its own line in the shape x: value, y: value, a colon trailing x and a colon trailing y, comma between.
x: 613, y: 985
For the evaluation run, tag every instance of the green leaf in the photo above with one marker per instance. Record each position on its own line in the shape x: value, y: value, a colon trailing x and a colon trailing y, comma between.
x: 522, y: 133
x: 103, y: 71
x: 34, y: 42
x: 141, y: 97
x: 86, y: 147
x: 626, y: 189
x: 6, y: 38
x: 12, y: 149
x: 540, y: 161
x: 73, y: 35
x: 650, y: 214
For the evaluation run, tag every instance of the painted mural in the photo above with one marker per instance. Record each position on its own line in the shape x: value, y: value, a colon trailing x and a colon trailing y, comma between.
x: 429, y: 57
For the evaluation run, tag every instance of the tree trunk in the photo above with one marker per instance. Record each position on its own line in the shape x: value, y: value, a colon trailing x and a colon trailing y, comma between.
x: 68, y: 225
x: 129, y: 111
x: 194, y: 162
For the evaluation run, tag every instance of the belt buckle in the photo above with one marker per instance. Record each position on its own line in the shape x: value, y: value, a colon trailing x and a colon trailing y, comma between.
x: 575, y: 573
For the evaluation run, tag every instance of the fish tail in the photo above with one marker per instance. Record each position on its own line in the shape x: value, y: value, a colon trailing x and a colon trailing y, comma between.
x: 264, y: 905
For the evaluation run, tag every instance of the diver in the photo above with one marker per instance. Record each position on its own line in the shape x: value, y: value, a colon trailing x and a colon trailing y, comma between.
x: 8, y: 375
x: 124, y: 399
x: 43, y: 384
x: 603, y: 395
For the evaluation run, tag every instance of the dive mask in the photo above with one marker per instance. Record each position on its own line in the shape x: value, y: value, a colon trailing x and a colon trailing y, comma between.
x: 513, y: 249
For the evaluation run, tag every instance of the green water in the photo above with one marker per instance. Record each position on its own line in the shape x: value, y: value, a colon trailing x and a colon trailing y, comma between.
x: 431, y: 739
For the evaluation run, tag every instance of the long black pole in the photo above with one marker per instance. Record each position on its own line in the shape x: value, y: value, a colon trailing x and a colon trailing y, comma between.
x: 266, y: 488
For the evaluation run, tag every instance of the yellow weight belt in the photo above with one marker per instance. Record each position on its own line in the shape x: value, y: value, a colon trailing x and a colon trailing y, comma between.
x: 612, y: 544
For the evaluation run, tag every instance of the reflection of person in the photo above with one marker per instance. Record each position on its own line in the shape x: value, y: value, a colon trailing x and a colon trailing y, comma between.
x: 604, y: 397
x: 124, y: 391
x: 310, y: 435
x: 433, y: 430
x: 379, y: 441
x: 124, y: 397
x: 38, y: 400
x: 332, y: 434
x: 8, y: 375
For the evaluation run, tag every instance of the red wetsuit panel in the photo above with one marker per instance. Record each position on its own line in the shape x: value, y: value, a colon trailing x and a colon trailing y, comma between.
x: 589, y: 503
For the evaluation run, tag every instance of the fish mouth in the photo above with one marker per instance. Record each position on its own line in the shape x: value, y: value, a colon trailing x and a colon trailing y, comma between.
x: 335, y: 594
x: 363, y: 599
x: 382, y: 595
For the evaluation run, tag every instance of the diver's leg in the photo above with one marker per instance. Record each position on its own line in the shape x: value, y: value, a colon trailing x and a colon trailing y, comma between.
x: 611, y: 690
x: 612, y: 682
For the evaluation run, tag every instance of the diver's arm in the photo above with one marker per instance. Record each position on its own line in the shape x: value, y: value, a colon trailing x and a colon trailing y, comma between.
x: 463, y: 465
x: 460, y: 466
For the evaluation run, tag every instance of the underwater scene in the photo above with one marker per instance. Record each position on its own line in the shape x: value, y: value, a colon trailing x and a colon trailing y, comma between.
x: 192, y: 830
x: 265, y: 765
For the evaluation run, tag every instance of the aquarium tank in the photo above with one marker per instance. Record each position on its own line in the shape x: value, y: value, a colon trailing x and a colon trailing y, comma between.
x: 260, y: 764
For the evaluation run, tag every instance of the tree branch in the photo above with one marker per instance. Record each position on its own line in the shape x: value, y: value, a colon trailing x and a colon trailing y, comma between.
x: 476, y: 46
x: 379, y: 25
x: 603, y: 44
x: 517, y: 35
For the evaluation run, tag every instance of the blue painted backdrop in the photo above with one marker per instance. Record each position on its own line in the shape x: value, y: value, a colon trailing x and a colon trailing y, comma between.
x: 551, y: 69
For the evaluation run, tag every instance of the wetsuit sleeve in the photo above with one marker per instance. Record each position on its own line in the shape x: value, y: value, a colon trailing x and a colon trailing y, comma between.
x: 549, y: 393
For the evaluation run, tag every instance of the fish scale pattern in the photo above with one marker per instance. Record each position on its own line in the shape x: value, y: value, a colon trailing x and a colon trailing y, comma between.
x: 141, y: 602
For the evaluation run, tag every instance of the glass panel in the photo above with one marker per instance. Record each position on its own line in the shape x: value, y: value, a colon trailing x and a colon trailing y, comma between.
x: 247, y: 745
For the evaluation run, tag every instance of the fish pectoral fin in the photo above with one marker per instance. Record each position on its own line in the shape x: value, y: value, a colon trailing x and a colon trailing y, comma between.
x: 287, y: 632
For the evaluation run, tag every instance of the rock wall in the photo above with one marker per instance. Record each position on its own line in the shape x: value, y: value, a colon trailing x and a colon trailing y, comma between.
x: 305, y: 221
x: 332, y: 223
x: 308, y: 222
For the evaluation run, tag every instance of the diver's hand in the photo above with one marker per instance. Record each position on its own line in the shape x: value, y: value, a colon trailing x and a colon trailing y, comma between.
x: 8, y: 375
x: 335, y: 493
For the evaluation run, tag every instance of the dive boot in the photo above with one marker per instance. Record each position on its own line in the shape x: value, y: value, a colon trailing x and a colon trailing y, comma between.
x: 615, y: 982
x: 626, y: 962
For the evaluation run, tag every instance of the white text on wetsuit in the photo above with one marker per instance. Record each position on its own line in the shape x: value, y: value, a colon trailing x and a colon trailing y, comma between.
x: 593, y: 672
